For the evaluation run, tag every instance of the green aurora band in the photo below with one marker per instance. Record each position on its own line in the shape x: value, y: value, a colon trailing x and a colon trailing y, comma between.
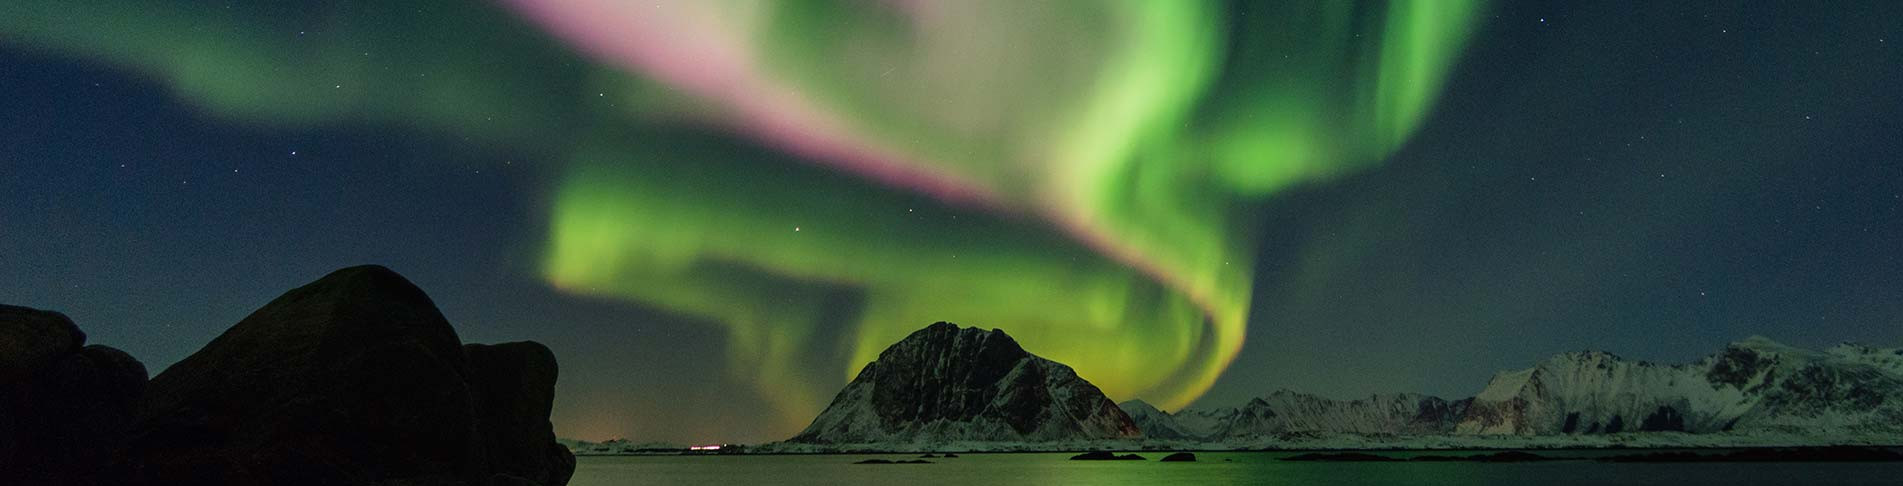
x: 1079, y: 174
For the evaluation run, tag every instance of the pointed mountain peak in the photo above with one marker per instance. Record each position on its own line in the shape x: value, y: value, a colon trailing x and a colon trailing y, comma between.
x: 948, y: 383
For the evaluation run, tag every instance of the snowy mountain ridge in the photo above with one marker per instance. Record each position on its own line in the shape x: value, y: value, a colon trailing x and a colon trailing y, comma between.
x: 1752, y: 386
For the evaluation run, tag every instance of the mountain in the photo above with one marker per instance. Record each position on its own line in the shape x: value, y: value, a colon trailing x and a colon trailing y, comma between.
x: 1286, y: 413
x: 1155, y: 424
x: 1752, y: 385
x: 1755, y: 386
x: 944, y: 383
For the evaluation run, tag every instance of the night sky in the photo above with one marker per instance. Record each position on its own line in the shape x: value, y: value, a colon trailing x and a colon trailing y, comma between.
x: 714, y: 213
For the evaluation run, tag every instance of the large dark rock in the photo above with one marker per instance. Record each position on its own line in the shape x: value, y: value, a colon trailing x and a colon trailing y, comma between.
x: 515, y: 389
x: 945, y: 383
x: 30, y: 339
x: 353, y: 379
x: 62, y: 407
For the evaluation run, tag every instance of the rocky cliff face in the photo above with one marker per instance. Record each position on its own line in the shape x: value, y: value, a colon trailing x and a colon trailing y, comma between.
x: 945, y: 383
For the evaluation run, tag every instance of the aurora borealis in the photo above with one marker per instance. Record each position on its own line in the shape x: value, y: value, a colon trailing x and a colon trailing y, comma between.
x: 1178, y: 198
x: 1097, y: 136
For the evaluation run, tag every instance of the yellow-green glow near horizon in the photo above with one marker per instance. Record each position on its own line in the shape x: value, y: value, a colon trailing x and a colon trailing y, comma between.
x: 1079, y: 174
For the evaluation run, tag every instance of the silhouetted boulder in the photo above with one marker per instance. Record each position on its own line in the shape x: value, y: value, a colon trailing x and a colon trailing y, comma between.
x: 62, y: 406
x: 515, y: 390
x: 30, y: 339
x: 89, y: 396
x: 1179, y: 457
x: 354, y: 378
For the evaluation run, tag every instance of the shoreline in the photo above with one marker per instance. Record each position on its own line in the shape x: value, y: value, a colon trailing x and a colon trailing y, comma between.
x: 1898, y: 445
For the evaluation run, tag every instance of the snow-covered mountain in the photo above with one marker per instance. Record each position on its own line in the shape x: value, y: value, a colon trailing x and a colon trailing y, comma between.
x: 1755, y: 386
x: 1288, y: 414
x: 944, y: 384
x: 1752, y: 385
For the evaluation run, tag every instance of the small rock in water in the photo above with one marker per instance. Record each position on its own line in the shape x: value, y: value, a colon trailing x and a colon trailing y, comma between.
x: 1180, y: 457
x: 949, y: 455
x: 1105, y: 456
x: 874, y: 461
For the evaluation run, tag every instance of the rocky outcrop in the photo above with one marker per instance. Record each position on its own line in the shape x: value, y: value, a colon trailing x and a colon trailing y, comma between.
x: 945, y: 383
x: 30, y: 339
x: 350, y: 379
x: 514, y: 385
x: 62, y: 405
x: 353, y: 379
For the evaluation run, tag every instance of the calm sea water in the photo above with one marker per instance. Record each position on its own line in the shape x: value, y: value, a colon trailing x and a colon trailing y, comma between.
x: 1211, y: 468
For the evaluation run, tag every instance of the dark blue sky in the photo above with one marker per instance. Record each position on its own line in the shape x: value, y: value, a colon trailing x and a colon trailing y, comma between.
x: 1654, y: 181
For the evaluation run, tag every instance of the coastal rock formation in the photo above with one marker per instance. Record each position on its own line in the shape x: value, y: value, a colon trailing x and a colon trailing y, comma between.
x: 514, y: 384
x: 355, y: 378
x: 61, y: 404
x: 945, y: 383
